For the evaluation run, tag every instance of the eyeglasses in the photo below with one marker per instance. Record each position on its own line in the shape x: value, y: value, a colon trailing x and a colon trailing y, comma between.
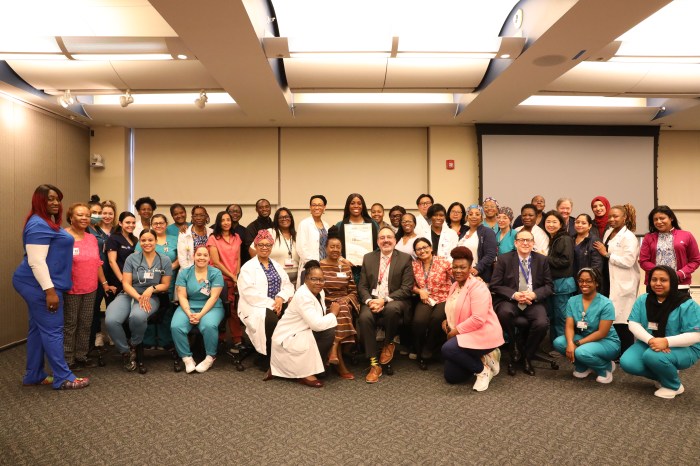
x: 395, y: 215
x: 524, y: 240
x: 316, y: 280
x: 284, y: 217
x: 318, y: 205
x: 460, y: 212
x: 158, y: 224
x: 424, y: 248
x: 425, y: 203
x: 263, y: 246
x: 586, y: 282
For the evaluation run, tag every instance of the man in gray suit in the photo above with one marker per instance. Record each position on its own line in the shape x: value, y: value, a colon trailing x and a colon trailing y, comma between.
x: 385, y: 290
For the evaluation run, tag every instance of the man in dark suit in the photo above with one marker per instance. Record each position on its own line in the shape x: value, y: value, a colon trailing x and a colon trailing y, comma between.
x: 520, y: 283
x: 385, y: 290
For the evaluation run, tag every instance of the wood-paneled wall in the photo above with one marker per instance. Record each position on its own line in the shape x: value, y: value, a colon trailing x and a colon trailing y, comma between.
x: 35, y: 148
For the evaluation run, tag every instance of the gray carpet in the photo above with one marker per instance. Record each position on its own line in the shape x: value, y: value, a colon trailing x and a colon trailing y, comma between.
x: 414, y: 417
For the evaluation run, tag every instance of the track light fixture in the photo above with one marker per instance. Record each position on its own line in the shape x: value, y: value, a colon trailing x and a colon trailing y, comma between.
x: 66, y: 100
x: 201, y: 102
x: 126, y: 99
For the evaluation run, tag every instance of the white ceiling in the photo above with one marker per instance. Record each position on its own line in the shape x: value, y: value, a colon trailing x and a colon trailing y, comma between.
x: 223, y: 42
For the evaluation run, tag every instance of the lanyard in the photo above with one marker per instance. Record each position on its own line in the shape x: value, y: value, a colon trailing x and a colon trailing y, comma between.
x: 427, y: 273
x: 289, y: 245
x: 526, y: 274
x: 381, y: 276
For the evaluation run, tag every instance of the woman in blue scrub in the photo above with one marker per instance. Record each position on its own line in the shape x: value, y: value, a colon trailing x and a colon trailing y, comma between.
x: 145, y: 274
x: 590, y: 341
x: 198, y: 290
x: 666, y: 323
x: 41, y: 279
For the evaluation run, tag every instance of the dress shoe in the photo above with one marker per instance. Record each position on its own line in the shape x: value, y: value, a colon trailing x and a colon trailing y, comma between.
x: 511, y: 369
x: 387, y: 353
x: 528, y: 369
x: 268, y: 376
x: 515, y: 354
x: 311, y: 383
x: 374, y: 373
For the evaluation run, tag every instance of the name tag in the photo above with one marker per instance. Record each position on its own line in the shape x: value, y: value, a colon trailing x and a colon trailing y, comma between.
x: 148, y: 275
x: 581, y: 325
x: 653, y: 326
x: 76, y: 251
x: 341, y: 275
x: 205, y: 291
x: 165, y: 248
x: 288, y: 262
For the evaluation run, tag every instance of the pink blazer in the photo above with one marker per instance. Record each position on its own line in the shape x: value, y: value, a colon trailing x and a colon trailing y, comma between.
x: 477, y: 322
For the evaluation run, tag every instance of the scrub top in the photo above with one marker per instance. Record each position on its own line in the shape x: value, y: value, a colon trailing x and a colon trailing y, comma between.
x: 168, y: 249
x: 119, y: 244
x: 685, y: 318
x: 507, y: 244
x: 102, y: 238
x: 195, y: 296
x: 59, y: 259
x: 144, y: 276
x: 600, y: 309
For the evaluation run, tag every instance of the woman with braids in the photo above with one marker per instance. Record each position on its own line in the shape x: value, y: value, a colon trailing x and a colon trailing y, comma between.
x: 620, y: 251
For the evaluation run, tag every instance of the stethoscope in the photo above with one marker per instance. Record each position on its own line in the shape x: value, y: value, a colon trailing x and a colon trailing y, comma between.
x: 145, y: 270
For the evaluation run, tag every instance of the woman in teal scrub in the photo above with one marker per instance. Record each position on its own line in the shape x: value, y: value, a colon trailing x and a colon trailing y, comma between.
x: 590, y: 341
x: 666, y: 324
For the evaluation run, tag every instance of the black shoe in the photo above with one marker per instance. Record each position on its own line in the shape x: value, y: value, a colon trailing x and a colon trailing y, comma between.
x: 515, y: 354
x: 528, y: 369
x: 423, y: 364
x: 139, y: 359
x: 85, y: 363
x: 511, y: 369
x: 129, y: 363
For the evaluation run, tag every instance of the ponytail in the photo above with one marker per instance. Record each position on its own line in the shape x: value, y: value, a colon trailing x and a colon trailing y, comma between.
x: 630, y: 215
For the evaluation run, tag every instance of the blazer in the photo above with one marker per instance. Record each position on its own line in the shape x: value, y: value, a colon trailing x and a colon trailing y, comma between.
x: 308, y: 240
x: 476, y: 321
x: 487, y: 250
x: 400, y: 276
x: 684, y: 246
x: 294, y: 350
x: 506, y: 277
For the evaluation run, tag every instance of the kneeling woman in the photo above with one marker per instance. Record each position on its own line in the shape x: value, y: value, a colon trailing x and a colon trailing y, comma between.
x: 666, y: 324
x: 590, y: 341
x: 145, y: 274
x: 198, y: 290
x: 473, y: 331
x: 305, y: 334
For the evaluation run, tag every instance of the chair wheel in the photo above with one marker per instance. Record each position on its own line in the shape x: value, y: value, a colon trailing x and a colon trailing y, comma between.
x: 240, y: 368
x: 177, y: 367
x: 511, y: 370
x: 389, y: 370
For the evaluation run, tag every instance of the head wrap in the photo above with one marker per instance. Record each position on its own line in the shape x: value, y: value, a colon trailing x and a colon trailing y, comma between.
x: 658, y: 312
x: 492, y: 199
x: 476, y: 206
x: 602, y: 221
x: 507, y: 211
x: 263, y: 234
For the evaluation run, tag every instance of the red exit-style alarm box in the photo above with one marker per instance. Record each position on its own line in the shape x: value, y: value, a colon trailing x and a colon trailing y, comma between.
x: 450, y: 164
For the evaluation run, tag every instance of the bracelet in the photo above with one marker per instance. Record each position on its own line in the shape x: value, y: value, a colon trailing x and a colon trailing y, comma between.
x: 104, y: 283
x: 577, y: 343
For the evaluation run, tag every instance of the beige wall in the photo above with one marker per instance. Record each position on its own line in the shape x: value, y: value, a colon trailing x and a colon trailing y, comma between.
x: 35, y: 148
x: 110, y: 182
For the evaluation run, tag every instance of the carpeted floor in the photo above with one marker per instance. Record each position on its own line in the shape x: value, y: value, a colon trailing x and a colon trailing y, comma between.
x: 413, y: 417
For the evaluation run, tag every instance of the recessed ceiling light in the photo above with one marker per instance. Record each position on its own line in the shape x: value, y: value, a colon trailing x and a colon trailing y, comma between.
x: 182, y: 56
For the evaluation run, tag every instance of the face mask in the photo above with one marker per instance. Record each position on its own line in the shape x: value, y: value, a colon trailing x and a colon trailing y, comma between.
x: 95, y: 219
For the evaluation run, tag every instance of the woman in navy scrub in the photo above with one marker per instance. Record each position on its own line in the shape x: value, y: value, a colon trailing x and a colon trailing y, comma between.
x: 41, y: 279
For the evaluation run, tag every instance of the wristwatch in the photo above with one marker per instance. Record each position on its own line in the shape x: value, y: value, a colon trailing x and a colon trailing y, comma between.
x: 155, y: 288
x: 577, y: 343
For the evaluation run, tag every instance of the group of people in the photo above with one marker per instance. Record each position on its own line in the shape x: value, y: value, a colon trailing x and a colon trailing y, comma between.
x: 461, y: 282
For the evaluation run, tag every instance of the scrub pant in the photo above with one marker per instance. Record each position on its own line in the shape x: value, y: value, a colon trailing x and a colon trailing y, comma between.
x: 158, y: 333
x: 461, y: 363
x: 639, y: 359
x: 122, y: 308
x: 209, y: 328
x: 556, y: 311
x: 596, y: 355
x: 77, y: 312
x: 45, y: 337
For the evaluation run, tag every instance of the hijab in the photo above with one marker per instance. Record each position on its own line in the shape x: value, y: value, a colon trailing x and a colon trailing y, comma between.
x: 659, y: 312
x: 602, y: 221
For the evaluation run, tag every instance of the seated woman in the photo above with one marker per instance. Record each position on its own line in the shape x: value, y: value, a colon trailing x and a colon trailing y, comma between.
x: 666, y: 324
x: 340, y: 288
x: 264, y: 289
x: 198, y: 290
x: 145, y: 274
x: 433, y: 278
x: 304, y: 335
x: 590, y: 341
x: 472, y: 328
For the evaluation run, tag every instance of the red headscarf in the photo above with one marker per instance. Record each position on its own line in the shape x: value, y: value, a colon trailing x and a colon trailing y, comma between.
x: 602, y: 221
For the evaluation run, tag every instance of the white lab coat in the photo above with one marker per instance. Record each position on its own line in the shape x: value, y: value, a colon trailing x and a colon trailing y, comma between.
x: 185, y: 247
x: 253, y: 303
x: 294, y: 351
x: 308, y: 240
x: 623, y: 267
x: 422, y: 228
x: 447, y: 242
x: 541, y: 240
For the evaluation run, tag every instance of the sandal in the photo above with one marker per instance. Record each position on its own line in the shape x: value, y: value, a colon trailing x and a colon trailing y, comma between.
x: 79, y: 382
x: 47, y: 381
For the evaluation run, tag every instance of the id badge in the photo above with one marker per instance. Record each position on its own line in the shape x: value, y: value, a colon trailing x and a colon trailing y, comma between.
x: 148, y: 275
x: 653, y: 326
x: 581, y: 325
x: 205, y: 291
x: 76, y: 251
x: 165, y: 248
x: 341, y: 275
x: 375, y: 293
x: 432, y: 302
x: 288, y: 262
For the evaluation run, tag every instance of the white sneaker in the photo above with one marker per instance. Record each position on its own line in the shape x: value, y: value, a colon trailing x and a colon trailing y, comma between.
x: 608, y: 375
x: 493, y: 360
x: 189, y: 364
x: 669, y: 393
x: 584, y: 374
x: 413, y: 356
x: 205, y: 364
x: 483, y: 379
x: 99, y: 339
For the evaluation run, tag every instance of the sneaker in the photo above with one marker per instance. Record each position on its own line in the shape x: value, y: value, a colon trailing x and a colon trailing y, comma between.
x: 608, y: 375
x: 584, y: 374
x: 493, y: 360
x: 189, y: 364
x: 75, y: 384
x: 483, y: 379
x: 413, y: 356
x: 205, y: 364
x: 669, y: 393
x: 99, y: 340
